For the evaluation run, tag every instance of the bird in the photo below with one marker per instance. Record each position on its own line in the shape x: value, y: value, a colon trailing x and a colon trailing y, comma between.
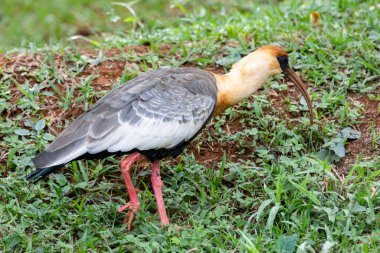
x: 157, y: 114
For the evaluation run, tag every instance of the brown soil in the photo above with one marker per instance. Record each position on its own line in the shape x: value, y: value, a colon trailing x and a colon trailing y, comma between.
x: 24, y: 67
x: 363, y: 146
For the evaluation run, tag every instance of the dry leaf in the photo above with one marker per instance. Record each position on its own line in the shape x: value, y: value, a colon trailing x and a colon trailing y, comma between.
x: 315, y: 17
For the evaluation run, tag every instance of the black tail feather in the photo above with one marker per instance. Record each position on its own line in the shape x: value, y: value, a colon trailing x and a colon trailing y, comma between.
x: 43, y: 172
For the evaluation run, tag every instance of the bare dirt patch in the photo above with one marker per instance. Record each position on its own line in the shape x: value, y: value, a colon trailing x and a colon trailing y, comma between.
x: 363, y: 146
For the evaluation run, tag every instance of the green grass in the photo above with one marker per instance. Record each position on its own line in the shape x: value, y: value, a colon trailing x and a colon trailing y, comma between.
x: 31, y: 24
x: 269, y: 192
x: 34, y: 23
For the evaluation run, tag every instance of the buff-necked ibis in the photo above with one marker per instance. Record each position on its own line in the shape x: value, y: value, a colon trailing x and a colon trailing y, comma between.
x: 157, y: 114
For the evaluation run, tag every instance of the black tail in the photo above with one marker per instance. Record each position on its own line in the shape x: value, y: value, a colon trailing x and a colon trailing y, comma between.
x: 43, y: 172
x: 42, y: 163
x: 48, y: 160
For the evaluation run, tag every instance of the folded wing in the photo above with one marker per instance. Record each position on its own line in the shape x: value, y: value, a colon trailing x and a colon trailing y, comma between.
x: 156, y: 110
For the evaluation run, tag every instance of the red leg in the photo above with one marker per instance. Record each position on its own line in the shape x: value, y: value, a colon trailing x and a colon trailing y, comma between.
x: 157, y: 188
x: 133, y: 205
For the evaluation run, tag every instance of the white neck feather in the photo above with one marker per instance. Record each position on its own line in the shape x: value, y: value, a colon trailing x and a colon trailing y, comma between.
x: 246, y: 77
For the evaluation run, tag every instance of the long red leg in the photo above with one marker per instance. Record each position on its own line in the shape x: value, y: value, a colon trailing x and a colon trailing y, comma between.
x: 157, y: 188
x: 133, y: 205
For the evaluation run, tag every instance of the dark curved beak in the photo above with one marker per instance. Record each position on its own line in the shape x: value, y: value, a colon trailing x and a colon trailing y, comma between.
x: 289, y: 72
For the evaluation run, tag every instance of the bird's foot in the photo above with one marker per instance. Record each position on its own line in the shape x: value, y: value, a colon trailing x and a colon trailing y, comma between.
x: 130, y: 215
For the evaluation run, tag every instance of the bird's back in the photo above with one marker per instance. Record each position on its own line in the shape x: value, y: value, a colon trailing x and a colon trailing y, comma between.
x: 156, y: 113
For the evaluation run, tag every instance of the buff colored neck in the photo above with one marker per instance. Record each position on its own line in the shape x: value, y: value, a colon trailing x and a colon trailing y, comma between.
x: 246, y: 77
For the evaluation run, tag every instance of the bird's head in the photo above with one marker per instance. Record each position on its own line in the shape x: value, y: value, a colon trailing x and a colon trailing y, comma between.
x: 255, y: 68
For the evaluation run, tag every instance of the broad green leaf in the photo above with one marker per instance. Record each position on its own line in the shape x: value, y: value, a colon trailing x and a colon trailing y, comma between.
x: 286, y: 244
x: 272, y: 216
x: 48, y: 137
x: 22, y: 132
x: 40, y: 125
x: 263, y: 205
x: 351, y: 134
x: 327, y: 246
x: 337, y: 145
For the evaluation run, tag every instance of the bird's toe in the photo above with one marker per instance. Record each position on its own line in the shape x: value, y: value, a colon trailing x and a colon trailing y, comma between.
x: 130, y: 215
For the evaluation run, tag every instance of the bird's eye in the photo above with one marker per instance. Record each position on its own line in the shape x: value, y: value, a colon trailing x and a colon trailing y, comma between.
x: 284, y: 62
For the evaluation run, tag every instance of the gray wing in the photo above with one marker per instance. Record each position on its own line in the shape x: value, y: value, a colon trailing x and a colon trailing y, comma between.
x: 158, y: 109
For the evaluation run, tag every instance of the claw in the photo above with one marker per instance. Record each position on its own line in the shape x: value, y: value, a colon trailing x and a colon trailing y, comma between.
x: 122, y: 208
x: 130, y: 215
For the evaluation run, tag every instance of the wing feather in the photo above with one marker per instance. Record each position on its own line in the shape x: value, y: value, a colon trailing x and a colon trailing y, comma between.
x: 158, y: 109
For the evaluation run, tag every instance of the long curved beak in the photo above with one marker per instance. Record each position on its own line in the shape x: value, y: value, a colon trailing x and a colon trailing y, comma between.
x: 289, y: 72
